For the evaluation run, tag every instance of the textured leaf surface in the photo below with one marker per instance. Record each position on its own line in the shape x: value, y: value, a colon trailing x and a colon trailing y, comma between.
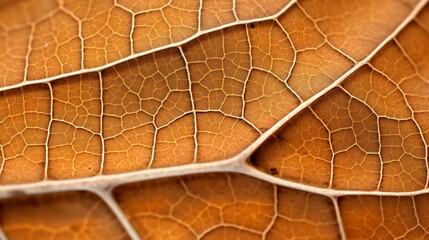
x: 116, y: 118
x: 216, y: 206
x: 71, y: 215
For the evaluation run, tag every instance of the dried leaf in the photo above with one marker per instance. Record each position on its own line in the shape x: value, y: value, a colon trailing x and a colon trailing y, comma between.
x: 214, y: 119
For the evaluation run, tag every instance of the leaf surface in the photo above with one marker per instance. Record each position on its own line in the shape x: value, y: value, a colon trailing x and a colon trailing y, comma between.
x: 189, y: 119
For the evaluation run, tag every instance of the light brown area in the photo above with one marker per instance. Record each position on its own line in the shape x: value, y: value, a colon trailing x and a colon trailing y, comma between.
x: 301, y: 30
x: 216, y: 205
x: 230, y: 233
x: 267, y: 100
x: 317, y: 69
x: 205, y: 102
x: 370, y: 151
x: 215, y: 13
x: 350, y: 121
x: 13, y: 49
x: 354, y: 140
x: 75, y: 141
x: 267, y: 96
x: 316, y: 63
x: 171, y: 23
x: 15, y: 33
x: 55, y: 47
x: 356, y: 28
x: 24, y: 121
x: 299, y: 151
x: 175, y: 143
x: 405, y: 63
x: 271, y: 48
x: 366, y: 146
x: 250, y: 9
x: 403, y: 154
x: 376, y: 120
x: 373, y: 217
x: 77, y: 101
x: 220, y: 137
x: 141, y: 6
x: 105, y: 30
x: 209, y: 99
x: 378, y: 92
x: 73, y: 152
x: 139, y: 96
x: 62, y: 216
x: 218, y: 75
x: 66, y: 36
x: 303, y: 215
x: 356, y: 169
x: 397, y: 65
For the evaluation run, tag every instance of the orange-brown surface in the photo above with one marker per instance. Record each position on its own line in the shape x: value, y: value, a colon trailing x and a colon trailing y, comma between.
x: 216, y: 206
x: 370, y: 132
x: 118, y: 117
x: 69, y: 215
x: 374, y: 217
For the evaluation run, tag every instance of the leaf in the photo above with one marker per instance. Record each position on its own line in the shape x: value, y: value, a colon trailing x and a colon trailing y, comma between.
x: 214, y: 119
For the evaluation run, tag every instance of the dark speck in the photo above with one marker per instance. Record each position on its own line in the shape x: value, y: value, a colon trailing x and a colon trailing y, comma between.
x: 253, y: 160
x: 273, y: 171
